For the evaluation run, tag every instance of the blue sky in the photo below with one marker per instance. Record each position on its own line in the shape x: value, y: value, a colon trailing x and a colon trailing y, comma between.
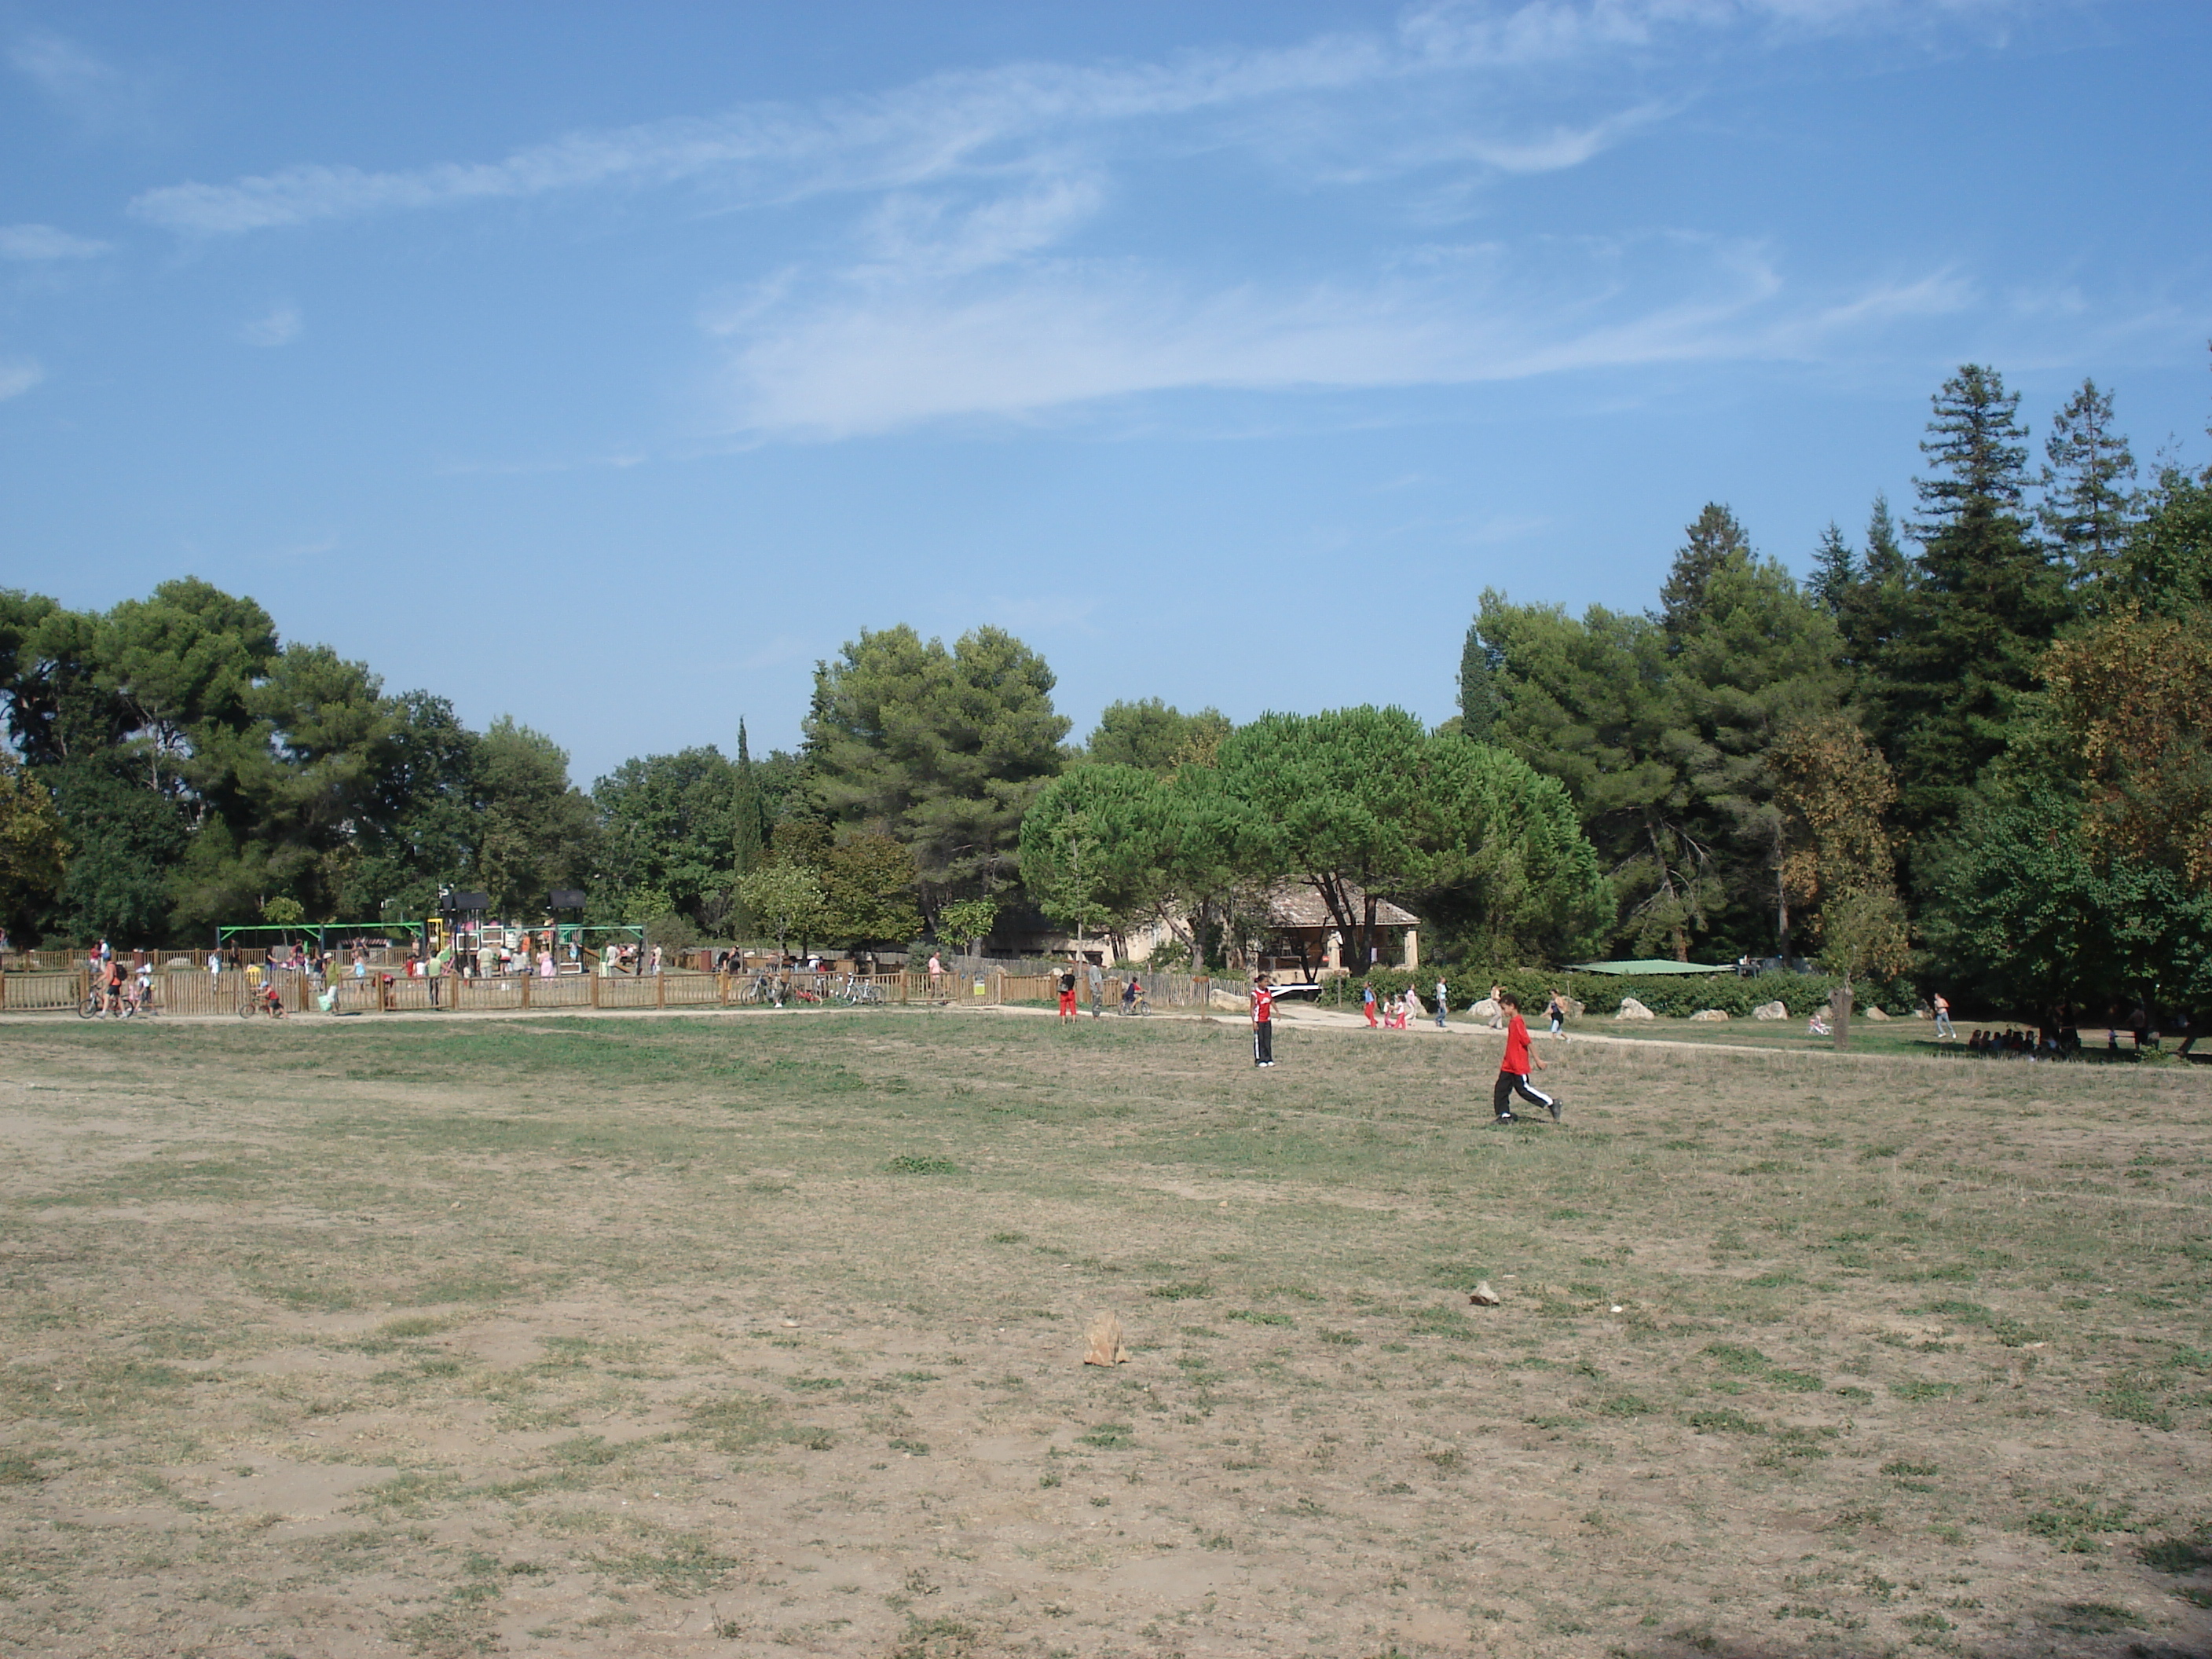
x: 608, y: 365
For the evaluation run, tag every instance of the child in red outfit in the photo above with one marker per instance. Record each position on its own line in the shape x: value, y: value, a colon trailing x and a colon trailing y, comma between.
x: 1513, y: 1070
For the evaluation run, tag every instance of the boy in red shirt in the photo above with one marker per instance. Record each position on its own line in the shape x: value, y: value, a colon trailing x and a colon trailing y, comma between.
x: 1263, y: 1022
x: 1513, y: 1070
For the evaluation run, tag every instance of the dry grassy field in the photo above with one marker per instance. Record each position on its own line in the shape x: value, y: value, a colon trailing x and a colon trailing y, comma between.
x: 760, y: 1333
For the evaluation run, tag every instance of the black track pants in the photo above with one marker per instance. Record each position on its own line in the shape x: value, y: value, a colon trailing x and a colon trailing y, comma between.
x: 1263, y: 1043
x: 1510, y: 1083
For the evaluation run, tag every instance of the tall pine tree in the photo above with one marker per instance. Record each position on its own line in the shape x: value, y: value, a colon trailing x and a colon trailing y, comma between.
x: 2088, y: 485
x: 1987, y: 599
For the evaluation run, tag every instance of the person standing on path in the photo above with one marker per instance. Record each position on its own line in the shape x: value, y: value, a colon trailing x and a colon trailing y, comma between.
x: 1067, y: 995
x: 1097, y: 992
x: 1557, y: 1012
x: 1443, y: 1005
x: 1367, y: 1006
x: 1513, y: 1070
x: 1943, y: 1027
x: 1263, y: 1022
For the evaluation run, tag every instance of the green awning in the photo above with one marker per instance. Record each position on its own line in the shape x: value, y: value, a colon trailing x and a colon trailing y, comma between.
x: 1652, y: 965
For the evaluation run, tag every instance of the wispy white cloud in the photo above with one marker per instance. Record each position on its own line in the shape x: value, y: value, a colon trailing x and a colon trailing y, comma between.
x: 44, y: 242
x: 93, y: 92
x: 60, y: 67
x: 18, y: 377
x: 278, y: 326
x: 982, y: 122
x: 868, y: 358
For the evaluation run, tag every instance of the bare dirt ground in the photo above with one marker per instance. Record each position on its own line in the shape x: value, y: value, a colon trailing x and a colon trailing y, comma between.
x: 760, y: 1333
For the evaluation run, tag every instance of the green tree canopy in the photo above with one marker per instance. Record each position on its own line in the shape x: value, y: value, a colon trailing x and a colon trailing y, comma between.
x: 671, y: 822
x: 1155, y: 735
x: 943, y: 750
x: 1987, y: 599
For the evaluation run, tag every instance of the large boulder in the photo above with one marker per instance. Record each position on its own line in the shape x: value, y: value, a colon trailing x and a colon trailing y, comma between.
x: 1574, y: 1008
x: 1770, y: 1010
x: 1486, y: 1009
x: 1631, y: 1009
x: 1710, y: 1014
x: 1872, y: 1013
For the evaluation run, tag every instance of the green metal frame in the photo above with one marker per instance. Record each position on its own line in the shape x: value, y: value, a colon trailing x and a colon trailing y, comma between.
x: 318, y: 931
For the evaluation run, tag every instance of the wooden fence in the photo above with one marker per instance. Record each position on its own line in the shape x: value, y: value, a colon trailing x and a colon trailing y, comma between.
x: 1161, y: 990
x: 194, y: 991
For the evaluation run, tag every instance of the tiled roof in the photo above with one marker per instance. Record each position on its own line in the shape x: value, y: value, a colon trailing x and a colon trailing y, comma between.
x: 1299, y: 905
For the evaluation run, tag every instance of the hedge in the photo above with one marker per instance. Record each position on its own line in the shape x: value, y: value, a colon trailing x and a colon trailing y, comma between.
x: 1674, y: 995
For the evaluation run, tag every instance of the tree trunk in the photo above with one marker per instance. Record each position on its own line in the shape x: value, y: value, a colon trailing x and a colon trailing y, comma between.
x: 1839, y: 1000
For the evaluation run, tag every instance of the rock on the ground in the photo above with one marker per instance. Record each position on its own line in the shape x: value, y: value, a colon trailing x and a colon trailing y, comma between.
x: 1770, y: 1010
x: 1483, y: 1297
x: 1485, y: 1009
x: 1574, y: 1008
x: 1631, y: 1009
x: 1872, y: 1013
x: 1102, y: 1343
x: 1708, y: 1014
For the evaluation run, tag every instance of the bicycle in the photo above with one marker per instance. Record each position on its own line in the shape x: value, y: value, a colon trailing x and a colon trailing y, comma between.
x: 264, y: 1002
x: 94, y: 1006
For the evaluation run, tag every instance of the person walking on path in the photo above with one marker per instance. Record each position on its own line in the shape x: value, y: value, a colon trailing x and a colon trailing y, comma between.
x: 1097, y: 992
x: 1556, y: 1010
x: 1067, y: 996
x: 1496, y: 1008
x: 1943, y: 1027
x: 1263, y: 1022
x: 1367, y: 1006
x: 1513, y: 1070
x: 1443, y: 1005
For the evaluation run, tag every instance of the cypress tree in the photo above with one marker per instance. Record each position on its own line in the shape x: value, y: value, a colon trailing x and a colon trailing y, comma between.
x: 747, y: 836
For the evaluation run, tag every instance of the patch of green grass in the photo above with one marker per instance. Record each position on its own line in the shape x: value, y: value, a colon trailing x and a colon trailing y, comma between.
x: 921, y: 1163
x: 1923, y: 1390
x: 675, y: 1564
x: 2177, y: 1555
x: 1733, y: 1358
x: 1183, y: 1291
x: 1251, y: 1316
x: 2093, y: 1618
x: 1723, y: 1422
x: 2133, y: 1397
x: 1109, y: 1436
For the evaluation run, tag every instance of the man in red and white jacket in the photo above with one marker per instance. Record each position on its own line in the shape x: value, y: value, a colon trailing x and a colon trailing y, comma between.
x: 1263, y: 1022
x: 1513, y: 1070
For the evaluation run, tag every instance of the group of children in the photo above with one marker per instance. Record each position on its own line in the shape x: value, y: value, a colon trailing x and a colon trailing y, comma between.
x: 1514, y: 1070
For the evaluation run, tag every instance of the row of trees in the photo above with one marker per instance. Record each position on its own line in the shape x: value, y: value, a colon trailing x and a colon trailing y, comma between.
x: 1976, y: 740
x: 1981, y: 736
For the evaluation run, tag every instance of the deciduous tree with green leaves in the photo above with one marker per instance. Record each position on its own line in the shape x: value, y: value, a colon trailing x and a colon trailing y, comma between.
x: 33, y: 851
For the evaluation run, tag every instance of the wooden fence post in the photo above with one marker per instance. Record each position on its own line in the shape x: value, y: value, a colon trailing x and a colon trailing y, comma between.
x: 525, y: 990
x: 660, y: 990
x: 593, y: 979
